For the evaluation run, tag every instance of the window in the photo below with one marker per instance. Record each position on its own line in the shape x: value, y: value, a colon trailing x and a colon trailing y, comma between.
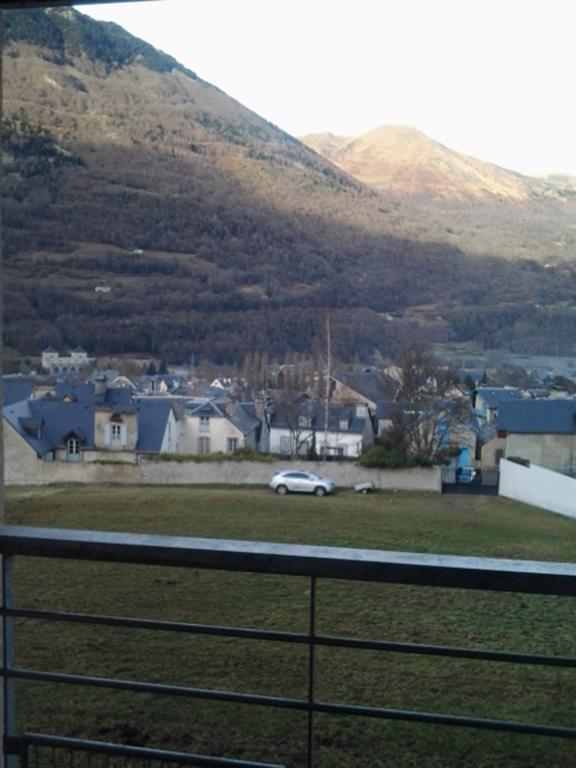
x: 204, y: 445
x: 232, y: 444
x: 204, y: 423
x: 116, y: 434
x: 304, y: 421
x: 284, y: 444
x: 344, y: 425
x: 73, y: 449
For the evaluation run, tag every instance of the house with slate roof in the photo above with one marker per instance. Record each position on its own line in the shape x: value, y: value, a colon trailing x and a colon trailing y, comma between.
x: 540, y: 431
x: 303, y: 431
x: 487, y: 400
x: 210, y: 426
x: 89, y: 422
x: 366, y: 387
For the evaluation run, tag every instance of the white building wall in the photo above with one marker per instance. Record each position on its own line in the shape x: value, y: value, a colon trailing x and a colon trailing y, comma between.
x: 538, y: 486
x: 218, y: 431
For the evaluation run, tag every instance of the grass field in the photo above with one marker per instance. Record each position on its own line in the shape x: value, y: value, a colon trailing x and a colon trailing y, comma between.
x: 395, y: 521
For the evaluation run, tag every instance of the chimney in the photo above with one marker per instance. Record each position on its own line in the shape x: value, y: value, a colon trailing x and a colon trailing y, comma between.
x: 100, y: 385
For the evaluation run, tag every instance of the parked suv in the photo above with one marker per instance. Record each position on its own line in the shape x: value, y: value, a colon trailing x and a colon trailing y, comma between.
x: 298, y: 481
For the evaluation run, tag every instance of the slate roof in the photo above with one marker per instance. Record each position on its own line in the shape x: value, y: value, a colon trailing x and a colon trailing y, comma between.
x: 58, y: 421
x: 316, y: 412
x: 16, y: 389
x: 385, y: 409
x: 493, y: 396
x: 153, y: 416
x: 241, y: 415
x: 371, y: 384
x: 46, y: 423
x: 543, y: 417
x: 244, y: 417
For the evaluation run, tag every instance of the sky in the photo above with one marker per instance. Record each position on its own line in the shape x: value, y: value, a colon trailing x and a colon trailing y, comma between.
x: 492, y: 78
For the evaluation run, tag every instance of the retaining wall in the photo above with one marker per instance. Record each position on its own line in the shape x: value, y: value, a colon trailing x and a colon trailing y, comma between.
x: 23, y: 467
x: 538, y: 486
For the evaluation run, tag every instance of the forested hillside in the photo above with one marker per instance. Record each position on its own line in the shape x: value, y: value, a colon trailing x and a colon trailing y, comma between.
x: 145, y: 211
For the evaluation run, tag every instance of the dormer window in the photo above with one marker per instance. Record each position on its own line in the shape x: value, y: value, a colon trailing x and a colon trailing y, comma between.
x: 304, y: 421
x: 344, y: 425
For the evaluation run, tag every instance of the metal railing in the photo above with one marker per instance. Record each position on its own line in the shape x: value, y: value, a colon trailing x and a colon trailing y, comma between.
x: 315, y: 563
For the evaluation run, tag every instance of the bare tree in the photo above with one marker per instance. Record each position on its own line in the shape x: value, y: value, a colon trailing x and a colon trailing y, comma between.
x: 426, y: 411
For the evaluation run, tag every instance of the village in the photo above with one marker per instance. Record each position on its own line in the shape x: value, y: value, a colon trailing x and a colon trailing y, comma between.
x: 416, y: 414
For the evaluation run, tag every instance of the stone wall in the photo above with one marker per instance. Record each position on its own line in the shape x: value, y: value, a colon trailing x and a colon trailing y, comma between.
x: 24, y: 468
x: 345, y: 474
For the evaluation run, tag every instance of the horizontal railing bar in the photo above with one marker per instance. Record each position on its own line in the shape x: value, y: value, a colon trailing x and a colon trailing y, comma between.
x: 439, y: 719
x: 154, y: 624
x: 294, y: 560
x: 294, y: 637
x: 297, y: 704
x: 14, y: 745
x: 446, y: 651
x: 156, y: 688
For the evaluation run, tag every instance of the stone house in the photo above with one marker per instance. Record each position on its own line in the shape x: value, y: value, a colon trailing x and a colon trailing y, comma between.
x: 540, y: 431
x: 89, y: 422
x: 208, y: 427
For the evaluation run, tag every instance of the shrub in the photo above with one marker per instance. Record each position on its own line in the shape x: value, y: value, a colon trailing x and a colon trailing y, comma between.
x: 242, y: 454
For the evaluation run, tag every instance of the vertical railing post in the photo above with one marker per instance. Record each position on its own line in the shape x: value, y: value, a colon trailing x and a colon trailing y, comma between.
x: 7, y: 655
x: 311, y: 670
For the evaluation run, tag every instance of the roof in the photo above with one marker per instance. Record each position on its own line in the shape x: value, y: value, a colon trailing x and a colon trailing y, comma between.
x: 16, y: 389
x: 371, y: 384
x: 58, y: 420
x: 493, y: 396
x: 337, y: 414
x: 47, y: 422
x: 544, y: 417
x: 244, y: 417
x: 385, y: 409
x: 153, y: 416
x: 49, y: 348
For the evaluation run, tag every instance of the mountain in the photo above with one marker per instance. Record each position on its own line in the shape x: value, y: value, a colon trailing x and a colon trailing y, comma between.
x: 406, y: 163
x: 148, y: 212
x: 475, y: 205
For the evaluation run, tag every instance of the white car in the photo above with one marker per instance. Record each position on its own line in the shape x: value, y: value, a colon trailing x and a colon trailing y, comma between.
x: 298, y: 481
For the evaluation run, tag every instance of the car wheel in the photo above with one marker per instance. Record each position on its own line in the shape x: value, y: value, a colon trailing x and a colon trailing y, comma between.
x: 281, y: 490
x: 320, y: 491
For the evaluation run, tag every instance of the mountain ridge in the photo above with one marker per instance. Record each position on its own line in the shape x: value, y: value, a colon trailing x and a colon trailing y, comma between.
x: 405, y: 162
x: 217, y: 232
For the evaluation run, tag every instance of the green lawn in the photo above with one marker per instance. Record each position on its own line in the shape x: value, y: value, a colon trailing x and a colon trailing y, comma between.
x: 394, y: 521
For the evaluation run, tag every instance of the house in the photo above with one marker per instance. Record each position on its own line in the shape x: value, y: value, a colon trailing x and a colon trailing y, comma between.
x: 540, y: 431
x: 209, y: 426
x: 75, y: 362
x: 302, y: 429
x: 91, y: 422
x: 366, y: 387
x: 487, y: 400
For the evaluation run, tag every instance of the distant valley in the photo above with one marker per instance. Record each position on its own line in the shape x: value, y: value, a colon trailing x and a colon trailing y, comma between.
x: 147, y: 212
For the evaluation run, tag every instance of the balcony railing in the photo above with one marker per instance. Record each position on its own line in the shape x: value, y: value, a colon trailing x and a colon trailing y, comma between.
x: 314, y: 563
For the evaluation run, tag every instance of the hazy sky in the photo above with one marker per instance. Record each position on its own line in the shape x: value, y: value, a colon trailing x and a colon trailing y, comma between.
x: 493, y: 78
